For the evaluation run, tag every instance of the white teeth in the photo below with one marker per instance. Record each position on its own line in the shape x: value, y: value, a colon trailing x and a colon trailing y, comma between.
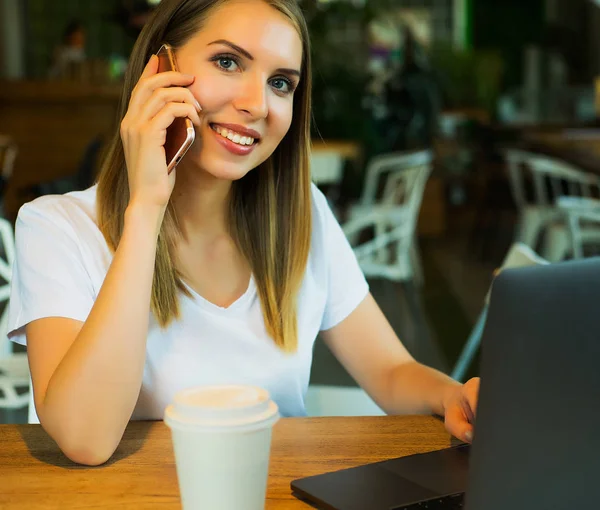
x: 233, y: 136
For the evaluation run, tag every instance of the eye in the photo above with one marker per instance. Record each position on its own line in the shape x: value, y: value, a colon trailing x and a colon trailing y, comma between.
x: 226, y: 62
x: 283, y: 85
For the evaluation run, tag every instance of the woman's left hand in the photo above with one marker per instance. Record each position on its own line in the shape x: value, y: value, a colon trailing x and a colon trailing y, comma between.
x: 460, y: 405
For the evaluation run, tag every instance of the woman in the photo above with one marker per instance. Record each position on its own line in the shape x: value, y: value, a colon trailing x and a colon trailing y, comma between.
x: 239, y: 260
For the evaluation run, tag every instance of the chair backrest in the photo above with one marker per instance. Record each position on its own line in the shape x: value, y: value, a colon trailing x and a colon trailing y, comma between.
x: 7, y: 256
x: 552, y: 178
x: 402, y: 197
x: 394, y: 216
x: 400, y: 165
x: 516, y: 159
x: 405, y: 187
x: 579, y: 212
x: 397, y: 206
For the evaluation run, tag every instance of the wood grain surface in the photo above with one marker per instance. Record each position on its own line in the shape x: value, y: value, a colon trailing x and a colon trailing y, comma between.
x: 34, y: 474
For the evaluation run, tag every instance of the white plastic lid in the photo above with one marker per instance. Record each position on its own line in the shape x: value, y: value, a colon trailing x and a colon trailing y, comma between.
x: 222, y: 407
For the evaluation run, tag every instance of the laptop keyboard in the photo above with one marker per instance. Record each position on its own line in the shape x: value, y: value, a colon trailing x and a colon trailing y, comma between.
x: 452, y: 502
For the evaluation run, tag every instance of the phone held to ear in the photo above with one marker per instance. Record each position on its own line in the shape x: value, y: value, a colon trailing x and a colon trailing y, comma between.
x: 181, y: 133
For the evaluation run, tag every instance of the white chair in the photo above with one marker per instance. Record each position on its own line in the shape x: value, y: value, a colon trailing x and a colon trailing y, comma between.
x: 557, y: 180
x: 552, y: 179
x: 393, y: 214
x: 533, y: 216
x: 583, y: 222
x: 519, y: 255
x: 340, y: 401
x: 14, y: 368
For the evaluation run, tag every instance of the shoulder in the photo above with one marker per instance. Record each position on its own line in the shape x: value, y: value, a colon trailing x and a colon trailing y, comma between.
x: 321, y: 211
x: 325, y: 227
x: 319, y: 200
x: 73, y: 211
x: 76, y: 202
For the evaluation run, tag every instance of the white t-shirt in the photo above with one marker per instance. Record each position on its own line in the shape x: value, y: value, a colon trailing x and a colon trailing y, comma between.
x: 62, y: 259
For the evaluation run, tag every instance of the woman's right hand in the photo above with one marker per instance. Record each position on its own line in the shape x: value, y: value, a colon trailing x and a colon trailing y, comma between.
x: 156, y: 100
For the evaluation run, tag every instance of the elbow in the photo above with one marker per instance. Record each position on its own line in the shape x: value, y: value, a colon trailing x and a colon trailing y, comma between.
x: 85, y: 436
x: 86, y: 455
x: 81, y: 448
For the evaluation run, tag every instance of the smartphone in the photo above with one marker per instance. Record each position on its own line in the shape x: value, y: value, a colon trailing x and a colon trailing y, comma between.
x: 181, y: 133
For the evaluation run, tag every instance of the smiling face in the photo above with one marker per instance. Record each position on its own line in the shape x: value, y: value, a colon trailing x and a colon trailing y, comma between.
x: 246, y: 59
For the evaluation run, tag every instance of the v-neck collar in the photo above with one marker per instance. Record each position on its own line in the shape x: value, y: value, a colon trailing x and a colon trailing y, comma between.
x: 237, y: 305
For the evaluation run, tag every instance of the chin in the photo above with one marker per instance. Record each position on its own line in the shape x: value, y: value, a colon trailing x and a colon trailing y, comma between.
x: 232, y: 173
x: 225, y: 170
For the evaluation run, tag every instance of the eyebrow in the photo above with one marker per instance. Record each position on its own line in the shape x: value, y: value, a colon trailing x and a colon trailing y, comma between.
x: 243, y: 52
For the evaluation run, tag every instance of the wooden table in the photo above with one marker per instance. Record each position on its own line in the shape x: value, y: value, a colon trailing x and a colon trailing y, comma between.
x: 345, y: 148
x: 35, y: 475
x: 581, y: 147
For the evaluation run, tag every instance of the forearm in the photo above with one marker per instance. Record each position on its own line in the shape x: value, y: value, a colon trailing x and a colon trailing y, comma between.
x: 413, y: 388
x: 93, y: 391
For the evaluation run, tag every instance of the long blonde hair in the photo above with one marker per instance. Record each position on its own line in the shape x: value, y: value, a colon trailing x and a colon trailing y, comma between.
x: 270, y: 207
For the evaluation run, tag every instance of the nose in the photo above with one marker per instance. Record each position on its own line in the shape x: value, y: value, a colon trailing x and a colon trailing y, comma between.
x: 252, y: 97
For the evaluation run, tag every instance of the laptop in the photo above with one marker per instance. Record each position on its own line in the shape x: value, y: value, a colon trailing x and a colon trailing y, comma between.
x: 537, y: 438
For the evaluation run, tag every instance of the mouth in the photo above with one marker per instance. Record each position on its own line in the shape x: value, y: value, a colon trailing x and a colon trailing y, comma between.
x: 235, y: 139
x: 236, y: 134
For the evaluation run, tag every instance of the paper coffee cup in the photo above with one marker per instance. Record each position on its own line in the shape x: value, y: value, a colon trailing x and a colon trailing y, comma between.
x: 222, y: 443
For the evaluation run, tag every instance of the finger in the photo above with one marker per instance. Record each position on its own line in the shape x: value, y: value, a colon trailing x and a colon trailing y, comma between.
x: 457, y: 423
x: 169, y: 113
x: 471, y: 394
x: 161, y: 97
x: 151, y: 68
x: 169, y: 79
x: 145, y: 87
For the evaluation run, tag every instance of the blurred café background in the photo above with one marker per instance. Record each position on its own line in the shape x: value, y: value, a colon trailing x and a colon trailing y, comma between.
x: 446, y: 134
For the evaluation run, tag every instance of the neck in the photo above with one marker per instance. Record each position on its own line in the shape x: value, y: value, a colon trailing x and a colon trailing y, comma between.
x: 201, y: 202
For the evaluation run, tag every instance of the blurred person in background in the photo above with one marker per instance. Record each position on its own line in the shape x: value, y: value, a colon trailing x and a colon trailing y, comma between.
x: 413, y: 99
x: 71, y: 52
